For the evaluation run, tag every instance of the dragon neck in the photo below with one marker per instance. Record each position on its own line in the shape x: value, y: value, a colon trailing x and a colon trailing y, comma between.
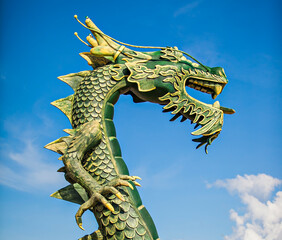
x: 94, y: 99
x: 109, y: 132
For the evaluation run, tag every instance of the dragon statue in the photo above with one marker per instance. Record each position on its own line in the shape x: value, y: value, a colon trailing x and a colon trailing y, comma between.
x: 93, y: 164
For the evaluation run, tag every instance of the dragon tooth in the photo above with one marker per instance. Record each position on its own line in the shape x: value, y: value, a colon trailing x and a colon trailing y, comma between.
x: 217, y: 89
x: 214, y: 95
x: 208, y: 91
x: 200, y: 82
x: 203, y: 90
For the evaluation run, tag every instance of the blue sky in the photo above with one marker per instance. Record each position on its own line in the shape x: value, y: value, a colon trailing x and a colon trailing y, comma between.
x: 189, y: 194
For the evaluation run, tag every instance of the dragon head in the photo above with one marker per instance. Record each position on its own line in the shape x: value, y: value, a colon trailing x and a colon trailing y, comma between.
x: 162, y: 77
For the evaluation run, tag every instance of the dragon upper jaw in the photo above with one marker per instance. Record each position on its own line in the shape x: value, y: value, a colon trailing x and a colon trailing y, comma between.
x: 209, y: 87
x: 209, y: 83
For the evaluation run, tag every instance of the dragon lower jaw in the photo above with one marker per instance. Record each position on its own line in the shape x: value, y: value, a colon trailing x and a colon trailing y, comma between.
x: 208, y: 116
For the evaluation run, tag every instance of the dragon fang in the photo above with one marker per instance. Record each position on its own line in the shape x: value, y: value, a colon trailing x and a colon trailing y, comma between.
x: 93, y: 164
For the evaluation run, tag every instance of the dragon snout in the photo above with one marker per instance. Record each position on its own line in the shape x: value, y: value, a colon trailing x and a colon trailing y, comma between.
x: 218, y: 71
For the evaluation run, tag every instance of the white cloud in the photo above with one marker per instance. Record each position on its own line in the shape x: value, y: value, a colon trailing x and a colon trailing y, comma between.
x: 24, y: 162
x: 28, y: 169
x: 259, y: 186
x: 187, y: 8
x: 262, y: 219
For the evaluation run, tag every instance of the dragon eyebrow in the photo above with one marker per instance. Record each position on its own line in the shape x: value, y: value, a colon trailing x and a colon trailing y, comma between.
x: 137, y: 46
x: 193, y: 59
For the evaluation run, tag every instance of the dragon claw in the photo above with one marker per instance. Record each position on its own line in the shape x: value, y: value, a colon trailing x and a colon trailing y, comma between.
x: 137, y: 184
x: 110, y: 207
x: 80, y: 226
x: 130, y: 186
x: 136, y: 177
x: 93, y: 200
x: 126, y: 184
x: 119, y: 196
x: 123, y: 181
x: 97, y: 196
x: 79, y: 221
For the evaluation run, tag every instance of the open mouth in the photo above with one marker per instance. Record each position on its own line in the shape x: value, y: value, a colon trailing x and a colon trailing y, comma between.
x: 209, y: 83
x: 209, y: 117
x: 206, y: 87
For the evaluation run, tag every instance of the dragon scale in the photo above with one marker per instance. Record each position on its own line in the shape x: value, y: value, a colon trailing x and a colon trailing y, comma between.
x: 106, y: 161
x: 93, y: 164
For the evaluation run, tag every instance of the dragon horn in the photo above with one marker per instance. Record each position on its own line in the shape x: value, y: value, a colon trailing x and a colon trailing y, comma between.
x: 102, y: 39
